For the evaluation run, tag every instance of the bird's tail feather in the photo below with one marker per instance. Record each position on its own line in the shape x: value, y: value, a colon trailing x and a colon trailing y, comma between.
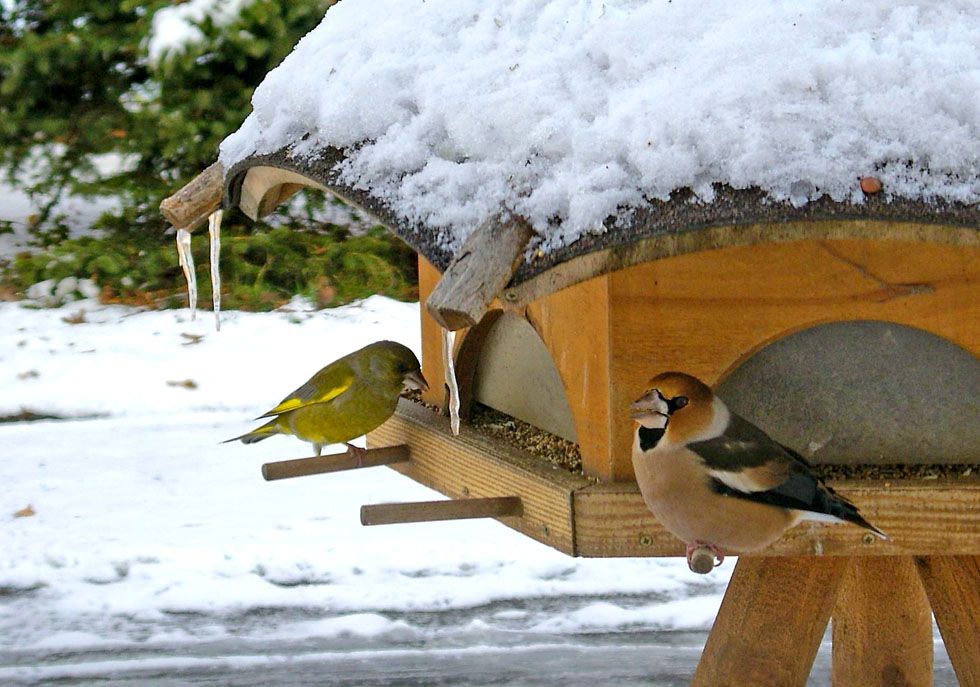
x: 258, y: 434
x: 845, y: 510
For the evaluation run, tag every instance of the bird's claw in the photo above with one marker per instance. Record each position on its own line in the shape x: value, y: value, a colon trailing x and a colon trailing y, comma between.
x: 357, y: 453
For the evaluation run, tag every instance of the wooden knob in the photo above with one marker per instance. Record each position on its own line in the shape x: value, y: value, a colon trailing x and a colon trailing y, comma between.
x: 192, y: 204
x: 702, y: 560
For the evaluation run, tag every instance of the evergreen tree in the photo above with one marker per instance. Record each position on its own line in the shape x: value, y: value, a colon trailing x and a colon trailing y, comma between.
x: 78, y: 89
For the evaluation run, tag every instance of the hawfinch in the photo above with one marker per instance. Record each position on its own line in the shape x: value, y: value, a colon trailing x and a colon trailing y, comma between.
x: 715, y: 480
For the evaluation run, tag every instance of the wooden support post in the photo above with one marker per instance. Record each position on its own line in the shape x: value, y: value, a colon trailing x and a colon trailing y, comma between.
x: 478, y: 272
x: 192, y: 204
x: 882, y: 626
x: 771, y: 622
x: 301, y: 467
x: 952, y: 584
x: 429, y: 511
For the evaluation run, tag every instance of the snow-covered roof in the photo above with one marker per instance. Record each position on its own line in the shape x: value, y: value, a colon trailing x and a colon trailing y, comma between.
x: 570, y: 112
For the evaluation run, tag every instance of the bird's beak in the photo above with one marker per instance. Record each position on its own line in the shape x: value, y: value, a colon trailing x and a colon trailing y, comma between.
x: 650, y: 410
x: 415, y: 380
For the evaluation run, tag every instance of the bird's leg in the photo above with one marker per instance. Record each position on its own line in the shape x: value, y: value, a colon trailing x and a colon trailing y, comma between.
x: 695, y: 545
x: 318, y: 448
x: 357, y: 453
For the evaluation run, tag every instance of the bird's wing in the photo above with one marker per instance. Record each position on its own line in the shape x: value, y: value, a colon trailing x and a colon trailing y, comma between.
x: 745, y: 458
x: 747, y: 463
x: 325, y: 385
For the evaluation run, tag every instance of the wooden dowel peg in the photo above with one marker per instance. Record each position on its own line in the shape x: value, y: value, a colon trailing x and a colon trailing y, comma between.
x: 301, y: 467
x: 429, y: 511
x: 192, y: 204
x: 702, y: 560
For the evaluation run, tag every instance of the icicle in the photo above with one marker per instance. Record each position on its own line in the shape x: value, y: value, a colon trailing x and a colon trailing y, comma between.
x: 214, y: 233
x: 187, y: 264
x: 448, y: 342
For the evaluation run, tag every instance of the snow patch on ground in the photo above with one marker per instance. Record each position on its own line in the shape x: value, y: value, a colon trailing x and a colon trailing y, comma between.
x: 566, y: 110
x: 18, y: 210
x: 123, y: 362
x: 176, y: 26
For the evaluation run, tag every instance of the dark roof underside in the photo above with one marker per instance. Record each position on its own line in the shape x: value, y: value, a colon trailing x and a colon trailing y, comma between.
x: 658, y: 219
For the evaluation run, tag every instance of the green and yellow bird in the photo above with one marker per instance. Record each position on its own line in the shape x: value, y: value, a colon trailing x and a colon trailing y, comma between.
x: 346, y: 399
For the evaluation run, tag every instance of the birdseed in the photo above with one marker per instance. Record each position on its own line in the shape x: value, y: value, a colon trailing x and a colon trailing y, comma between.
x: 566, y: 454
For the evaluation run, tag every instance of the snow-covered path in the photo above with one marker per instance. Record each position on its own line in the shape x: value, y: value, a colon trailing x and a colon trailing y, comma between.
x: 157, y: 555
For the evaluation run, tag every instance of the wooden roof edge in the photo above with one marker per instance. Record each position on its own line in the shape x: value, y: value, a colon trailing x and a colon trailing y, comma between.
x: 259, y: 198
x: 660, y: 229
x: 604, y: 261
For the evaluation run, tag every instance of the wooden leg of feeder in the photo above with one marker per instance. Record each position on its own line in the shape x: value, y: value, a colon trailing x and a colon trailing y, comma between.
x: 429, y: 511
x: 882, y: 626
x: 771, y: 622
x: 302, y: 467
x: 952, y: 584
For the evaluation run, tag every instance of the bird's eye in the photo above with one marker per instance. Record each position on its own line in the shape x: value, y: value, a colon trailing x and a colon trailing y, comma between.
x: 678, y: 402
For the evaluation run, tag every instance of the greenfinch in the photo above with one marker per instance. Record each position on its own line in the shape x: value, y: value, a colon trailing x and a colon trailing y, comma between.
x: 346, y: 399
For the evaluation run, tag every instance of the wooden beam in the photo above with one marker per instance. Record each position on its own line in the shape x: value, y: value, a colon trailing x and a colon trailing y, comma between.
x: 770, y: 623
x: 952, y: 584
x: 430, y: 511
x: 882, y: 626
x: 193, y: 203
x: 611, y: 520
x: 301, y: 467
x: 475, y: 465
x: 574, y: 515
x: 478, y: 272
x: 695, y: 238
x: 921, y: 516
x: 432, y: 362
x: 575, y: 327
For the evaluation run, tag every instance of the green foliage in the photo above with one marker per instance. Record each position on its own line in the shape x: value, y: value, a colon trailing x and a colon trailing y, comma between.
x: 76, y: 83
x: 77, y: 86
x: 259, y: 271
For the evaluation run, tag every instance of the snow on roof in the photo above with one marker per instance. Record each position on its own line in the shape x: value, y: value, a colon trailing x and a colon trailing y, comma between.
x: 569, y: 111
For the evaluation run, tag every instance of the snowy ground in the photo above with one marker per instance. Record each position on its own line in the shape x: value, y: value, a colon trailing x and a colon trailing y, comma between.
x: 157, y: 555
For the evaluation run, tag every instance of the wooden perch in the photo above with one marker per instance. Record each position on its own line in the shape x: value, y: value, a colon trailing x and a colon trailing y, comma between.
x: 478, y: 272
x: 301, y: 467
x: 428, y: 511
x: 192, y: 204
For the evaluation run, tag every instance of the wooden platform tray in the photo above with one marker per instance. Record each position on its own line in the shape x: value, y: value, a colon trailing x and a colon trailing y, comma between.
x: 582, y: 518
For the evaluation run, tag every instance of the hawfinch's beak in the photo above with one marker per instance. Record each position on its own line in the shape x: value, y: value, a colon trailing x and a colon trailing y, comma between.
x: 650, y: 410
x: 646, y: 405
x: 415, y: 380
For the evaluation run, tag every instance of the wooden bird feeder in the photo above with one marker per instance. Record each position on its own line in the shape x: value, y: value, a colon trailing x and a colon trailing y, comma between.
x: 848, y: 331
